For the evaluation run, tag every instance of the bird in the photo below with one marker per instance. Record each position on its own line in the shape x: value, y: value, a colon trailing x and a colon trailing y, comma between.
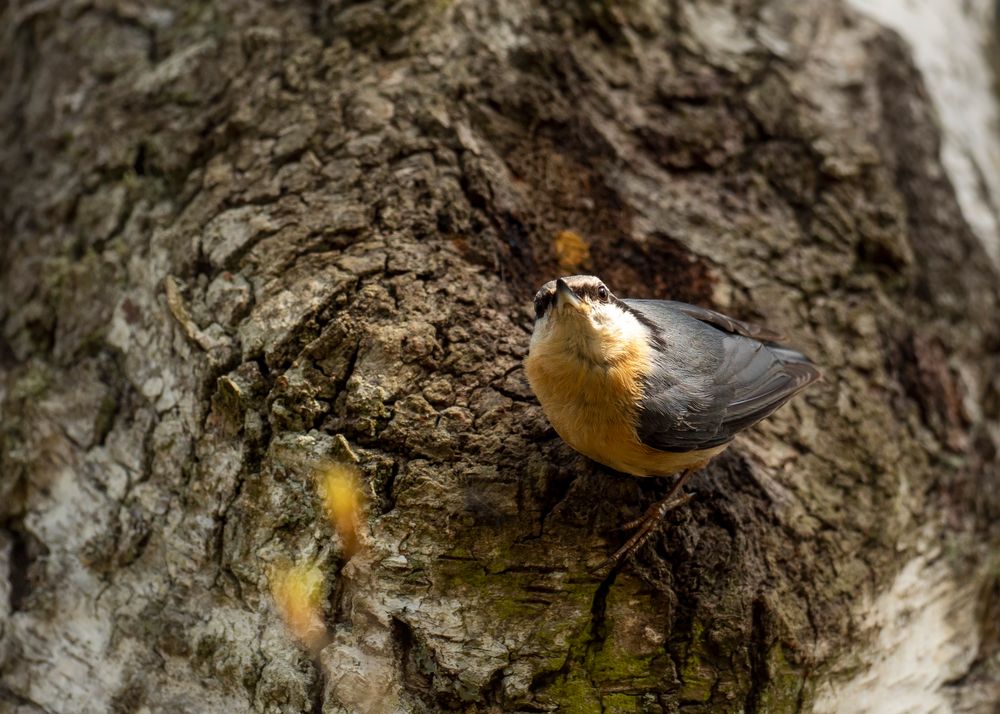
x: 653, y: 387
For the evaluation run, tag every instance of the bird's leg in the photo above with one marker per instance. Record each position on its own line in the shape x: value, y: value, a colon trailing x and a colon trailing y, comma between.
x: 650, y: 520
x: 666, y: 504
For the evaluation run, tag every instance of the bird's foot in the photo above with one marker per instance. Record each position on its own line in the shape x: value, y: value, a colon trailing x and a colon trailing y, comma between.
x: 658, y: 510
x: 646, y: 526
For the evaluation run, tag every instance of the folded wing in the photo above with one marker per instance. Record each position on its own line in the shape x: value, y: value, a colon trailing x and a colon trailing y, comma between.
x: 720, y: 377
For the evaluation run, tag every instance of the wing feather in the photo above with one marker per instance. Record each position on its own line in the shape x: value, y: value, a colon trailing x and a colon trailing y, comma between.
x: 716, y: 377
x: 711, y: 317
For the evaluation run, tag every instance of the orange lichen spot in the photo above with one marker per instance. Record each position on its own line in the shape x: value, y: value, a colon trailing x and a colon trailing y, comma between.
x: 298, y: 592
x: 571, y: 251
x: 340, y: 490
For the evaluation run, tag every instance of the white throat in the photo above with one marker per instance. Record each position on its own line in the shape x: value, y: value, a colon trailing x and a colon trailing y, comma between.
x: 603, y: 337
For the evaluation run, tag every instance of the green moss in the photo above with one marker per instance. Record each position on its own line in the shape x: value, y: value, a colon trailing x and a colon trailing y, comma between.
x: 463, y: 574
x: 698, y: 680
x: 622, y: 704
x: 575, y: 694
x: 784, y: 684
x: 613, y: 665
x: 509, y: 608
x: 697, y: 677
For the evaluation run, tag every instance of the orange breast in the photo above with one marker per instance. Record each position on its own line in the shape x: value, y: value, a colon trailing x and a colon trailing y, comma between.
x: 594, y: 410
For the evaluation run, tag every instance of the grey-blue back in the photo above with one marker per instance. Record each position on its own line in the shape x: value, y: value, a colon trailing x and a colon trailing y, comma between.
x: 713, y: 376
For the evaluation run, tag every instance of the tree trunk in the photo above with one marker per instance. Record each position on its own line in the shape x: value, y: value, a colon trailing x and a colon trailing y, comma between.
x: 245, y: 239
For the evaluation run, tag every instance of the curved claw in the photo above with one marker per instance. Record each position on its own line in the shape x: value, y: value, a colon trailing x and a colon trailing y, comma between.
x: 661, y: 507
x: 654, y: 514
x: 647, y: 526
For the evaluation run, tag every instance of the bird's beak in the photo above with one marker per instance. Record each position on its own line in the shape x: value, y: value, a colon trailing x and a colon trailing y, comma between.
x: 566, y: 296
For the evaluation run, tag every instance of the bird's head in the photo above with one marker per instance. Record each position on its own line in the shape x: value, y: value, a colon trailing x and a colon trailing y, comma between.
x: 579, y: 317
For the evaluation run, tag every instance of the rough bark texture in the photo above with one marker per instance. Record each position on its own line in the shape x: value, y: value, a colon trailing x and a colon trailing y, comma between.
x: 244, y: 237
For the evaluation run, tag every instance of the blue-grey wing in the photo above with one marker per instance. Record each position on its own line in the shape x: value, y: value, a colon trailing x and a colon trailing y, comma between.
x: 660, y: 310
x: 715, y: 377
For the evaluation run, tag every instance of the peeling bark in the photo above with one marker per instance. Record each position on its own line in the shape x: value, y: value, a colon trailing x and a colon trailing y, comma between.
x: 242, y: 239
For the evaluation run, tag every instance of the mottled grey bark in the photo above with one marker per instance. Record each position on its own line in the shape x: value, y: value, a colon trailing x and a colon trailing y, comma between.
x: 241, y: 238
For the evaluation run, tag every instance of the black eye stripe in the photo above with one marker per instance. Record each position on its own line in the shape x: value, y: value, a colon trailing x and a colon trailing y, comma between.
x: 591, y: 291
x: 542, y: 302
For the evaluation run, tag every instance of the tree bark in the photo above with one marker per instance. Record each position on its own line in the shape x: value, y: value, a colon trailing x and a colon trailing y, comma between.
x: 244, y: 239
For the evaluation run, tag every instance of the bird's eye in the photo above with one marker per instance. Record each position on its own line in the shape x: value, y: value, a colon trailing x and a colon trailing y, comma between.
x: 602, y: 293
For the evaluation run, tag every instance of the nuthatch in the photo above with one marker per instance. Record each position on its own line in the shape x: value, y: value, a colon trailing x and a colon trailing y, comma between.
x: 652, y: 387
